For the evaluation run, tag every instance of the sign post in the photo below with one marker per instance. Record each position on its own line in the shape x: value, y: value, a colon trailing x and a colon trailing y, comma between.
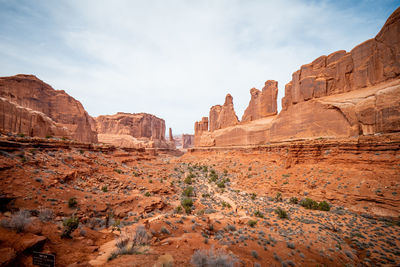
x: 43, y: 260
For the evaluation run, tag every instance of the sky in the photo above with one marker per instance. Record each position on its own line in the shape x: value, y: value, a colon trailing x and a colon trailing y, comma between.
x: 177, y: 58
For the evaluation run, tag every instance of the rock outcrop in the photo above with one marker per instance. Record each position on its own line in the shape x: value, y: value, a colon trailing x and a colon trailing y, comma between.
x: 262, y: 103
x: 372, y: 62
x: 21, y: 120
x: 223, y: 116
x: 344, y: 94
x: 132, y: 130
x: 27, y: 91
x: 187, y: 140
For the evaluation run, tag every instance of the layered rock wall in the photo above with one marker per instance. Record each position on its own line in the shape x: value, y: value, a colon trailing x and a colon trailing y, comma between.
x: 29, y: 92
x: 223, y: 116
x: 132, y: 130
x: 17, y: 119
x: 370, y: 63
x: 344, y: 94
x: 187, y: 140
x: 262, y: 103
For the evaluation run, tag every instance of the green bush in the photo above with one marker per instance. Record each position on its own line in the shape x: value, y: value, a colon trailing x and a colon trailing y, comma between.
x: 188, y: 179
x: 324, y: 206
x: 104, y: 189
x: 226, y: 204
x: 221, y: 184
x: 308, y: 203
x: 188, y: 191
x: 147, y: 194
x: 70, y: 225
x: 253, y: 196
x: 294, y: 200
x: 278, y: 197
x: 281, y: 213
x: 258, y: 214
x: 72, y: 202
x: 187, y: 204
x: 252, y: 223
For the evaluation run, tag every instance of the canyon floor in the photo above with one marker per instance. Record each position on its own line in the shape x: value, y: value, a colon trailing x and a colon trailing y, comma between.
x: 244, y: 201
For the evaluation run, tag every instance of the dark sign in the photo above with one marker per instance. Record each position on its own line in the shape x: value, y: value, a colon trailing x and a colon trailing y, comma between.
x: 42, y: 259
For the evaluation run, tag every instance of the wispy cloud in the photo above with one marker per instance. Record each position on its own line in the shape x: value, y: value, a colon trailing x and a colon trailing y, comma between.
x: 175, y: 58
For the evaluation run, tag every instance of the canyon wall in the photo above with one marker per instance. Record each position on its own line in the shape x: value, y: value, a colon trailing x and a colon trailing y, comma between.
x: 187, y: 140
x: 262, y: 103
x: 28, y: 94
x: 344, y: 94
x: 132, y: 130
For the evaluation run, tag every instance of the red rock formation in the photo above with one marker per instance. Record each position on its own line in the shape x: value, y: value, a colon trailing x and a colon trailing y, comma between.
x: 187, y: 140
x: 223, y: 116
x: 201, y: 126
x: 262, y: 103
x: 132, y: 130
x: 171, y: 137
x: 340, y: 95
x: 372, y: 62
x: 17, y: 119
x: 29, y: 92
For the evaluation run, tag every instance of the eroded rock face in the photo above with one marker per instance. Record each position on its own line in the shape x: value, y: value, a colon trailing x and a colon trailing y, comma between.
x: 370, y: 63
x: 17, y: 119
x: 262, y: 103
x: 223, y: 116
x: 187, y: 140
x: 345, y: 94
x: 132, y: 130
x: 29, y: 92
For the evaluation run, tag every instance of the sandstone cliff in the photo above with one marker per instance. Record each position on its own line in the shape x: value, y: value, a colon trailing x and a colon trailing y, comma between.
x: 374, y: 61
x: 132, y: 130
x: 17, y: 119
x: 344, y: 94
x: 29, y: 92
x: 187, y: 140
x: 262, y: 103
x: 223, y: 116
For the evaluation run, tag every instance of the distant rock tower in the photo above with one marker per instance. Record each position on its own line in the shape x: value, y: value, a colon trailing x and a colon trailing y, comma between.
x: 171, y: 138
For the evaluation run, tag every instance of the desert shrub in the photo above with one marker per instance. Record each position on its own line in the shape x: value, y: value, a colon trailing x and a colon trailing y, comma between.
x: 323, y: 205
x: 178, y: 209
x: 225, y: 204
x: 70, y: 225
x: 308, y: 203
x: 294, y: 200
x: 188, y: 180
x: 205, y: 169
x: 141, y: 236
x: 254, y: 254
x: 147, y: 194
x: 118, y: 171
x: 258, y: 214
x: 18, y: 221
x: 211, y: 258
x: 278, y: 197
x: 72, y: 202
x: 252, y: 223
x: 281, y: 213
x: 230, y: 227
x: 221, y: 184
x: 187, y: 204
x: 122, y: 241
x: 46, y: 215
x: 253, y: 196
x: 104, y: 189
x: 188, y: 191
x: 165, y: 231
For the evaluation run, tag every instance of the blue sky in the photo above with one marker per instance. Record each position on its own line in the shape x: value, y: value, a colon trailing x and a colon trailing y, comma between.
x: 176, y: 59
